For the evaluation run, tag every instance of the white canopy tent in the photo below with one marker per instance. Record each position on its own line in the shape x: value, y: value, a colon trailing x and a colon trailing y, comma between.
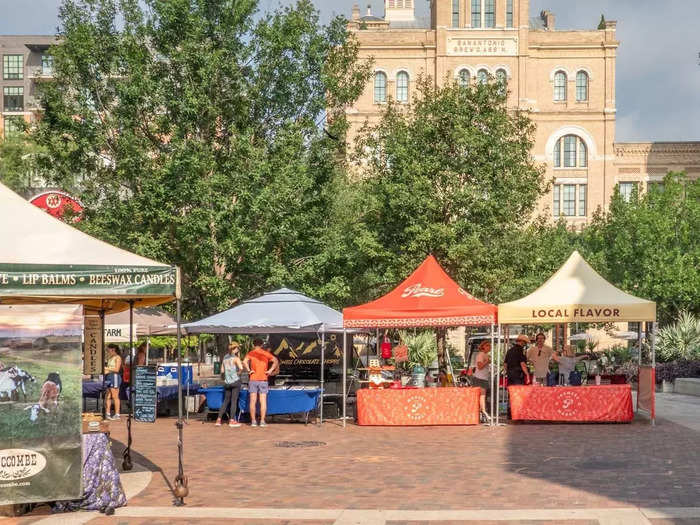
x: 576, y: 293
x: 46, y: 261
x: 280, y: 312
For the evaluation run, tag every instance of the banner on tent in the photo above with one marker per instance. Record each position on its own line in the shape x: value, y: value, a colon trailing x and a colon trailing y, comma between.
x: 40, y: 403
x: 77, y: 280
x: 92, y: 353
x: 300, y: 354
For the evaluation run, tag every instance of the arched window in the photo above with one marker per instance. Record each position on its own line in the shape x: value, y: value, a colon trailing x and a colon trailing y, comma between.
x: 482, y: 76
x: 379, y: 87
x: 402, y: 86
x: 572, y: 151
x: 559, y: 86
x: 502, y: 77
x: 464, y: 77
x: 581, y: 86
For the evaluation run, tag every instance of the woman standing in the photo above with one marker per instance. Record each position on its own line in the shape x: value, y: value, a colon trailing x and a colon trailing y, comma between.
x: 113, y: 380
x: 231, y: 368
x: 482, y: 376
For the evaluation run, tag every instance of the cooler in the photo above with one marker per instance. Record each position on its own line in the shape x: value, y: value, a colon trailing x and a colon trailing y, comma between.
x: 167, y: 374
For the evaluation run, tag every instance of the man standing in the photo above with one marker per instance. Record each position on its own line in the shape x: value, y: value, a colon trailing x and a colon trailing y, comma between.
x: 539, y: 355
x: 258, y: 361
x: 516, y: 362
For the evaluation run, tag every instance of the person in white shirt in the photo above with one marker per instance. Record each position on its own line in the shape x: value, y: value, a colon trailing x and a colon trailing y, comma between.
x: 567, y: 363
x: 539, y: 355
x: 482, y: 376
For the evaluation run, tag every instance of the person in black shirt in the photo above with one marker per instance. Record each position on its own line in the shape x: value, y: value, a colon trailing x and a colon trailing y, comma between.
x: 516, y: 362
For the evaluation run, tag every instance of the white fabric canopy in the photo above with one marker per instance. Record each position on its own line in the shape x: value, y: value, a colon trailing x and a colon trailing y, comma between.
x: 576, y: 293
x: 44, y: 260
x: 281, y: 311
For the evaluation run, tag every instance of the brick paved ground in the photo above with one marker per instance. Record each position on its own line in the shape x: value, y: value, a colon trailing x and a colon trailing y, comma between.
x: 518, y: 466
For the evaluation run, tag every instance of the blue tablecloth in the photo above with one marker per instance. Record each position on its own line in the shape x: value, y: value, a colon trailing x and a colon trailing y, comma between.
x: 94, y: 389
x: 284, y: 401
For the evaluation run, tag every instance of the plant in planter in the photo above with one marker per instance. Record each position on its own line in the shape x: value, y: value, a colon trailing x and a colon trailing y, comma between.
x: 681, y: 339
x: 422, y: 348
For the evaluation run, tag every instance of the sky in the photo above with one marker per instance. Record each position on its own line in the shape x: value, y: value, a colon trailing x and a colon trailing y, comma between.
x: 658, y: 67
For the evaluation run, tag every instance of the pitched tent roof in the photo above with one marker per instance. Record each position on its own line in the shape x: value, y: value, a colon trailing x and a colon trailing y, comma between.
x: 576, y: 293
x: 44, y: 260
x: 281, y: 311
x: 428, y: 297
x: 147, y: 321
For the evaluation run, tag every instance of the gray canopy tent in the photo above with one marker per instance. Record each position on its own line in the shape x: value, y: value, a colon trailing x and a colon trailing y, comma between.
x: 283, y: 311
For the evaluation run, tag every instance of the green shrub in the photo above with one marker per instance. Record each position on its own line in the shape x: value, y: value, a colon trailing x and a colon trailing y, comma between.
x: 680, y: 340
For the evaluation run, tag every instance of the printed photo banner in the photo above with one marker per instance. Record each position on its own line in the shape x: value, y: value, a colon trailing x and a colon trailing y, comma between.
x: 40, y: 403
x: 80, y: 281
x: 300, y: 354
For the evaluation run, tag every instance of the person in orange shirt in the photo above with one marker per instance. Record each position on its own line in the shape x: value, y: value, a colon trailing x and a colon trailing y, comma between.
x: 258, y: 362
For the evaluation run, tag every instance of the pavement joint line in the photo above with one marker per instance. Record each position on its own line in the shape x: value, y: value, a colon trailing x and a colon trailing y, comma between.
x: 605, y: 516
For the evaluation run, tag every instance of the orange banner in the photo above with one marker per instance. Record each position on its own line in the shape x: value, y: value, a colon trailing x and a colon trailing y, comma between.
x: 419, y: 406
x: 604, y: 403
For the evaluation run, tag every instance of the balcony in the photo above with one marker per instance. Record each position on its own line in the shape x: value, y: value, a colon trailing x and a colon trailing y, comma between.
x: 39, y: 73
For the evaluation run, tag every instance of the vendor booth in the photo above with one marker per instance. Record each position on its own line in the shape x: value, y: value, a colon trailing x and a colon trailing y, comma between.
x: 283, y: 311
x: 576, y: 293
x: 428, y: 298
x: 44, y: 261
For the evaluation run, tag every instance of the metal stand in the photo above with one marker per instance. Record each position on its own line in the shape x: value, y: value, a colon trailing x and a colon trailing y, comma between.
x: 345, y: 374
x: 127, y: 464
x: 181, y: 490
x: 323, y: 356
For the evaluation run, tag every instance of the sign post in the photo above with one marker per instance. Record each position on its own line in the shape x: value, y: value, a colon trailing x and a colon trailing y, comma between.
x: 92, y: 359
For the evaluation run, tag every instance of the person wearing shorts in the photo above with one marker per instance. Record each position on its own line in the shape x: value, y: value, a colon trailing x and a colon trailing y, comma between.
x: 258, y: 362
x: 112, y: 380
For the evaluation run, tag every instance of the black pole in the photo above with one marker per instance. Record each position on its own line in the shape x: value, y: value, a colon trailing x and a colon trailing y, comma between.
x: 181, y: 490
x: 127, y: 464
x: 102, y: 364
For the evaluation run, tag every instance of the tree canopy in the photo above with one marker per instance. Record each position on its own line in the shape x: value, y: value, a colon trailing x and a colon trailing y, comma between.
x: 193, y: 132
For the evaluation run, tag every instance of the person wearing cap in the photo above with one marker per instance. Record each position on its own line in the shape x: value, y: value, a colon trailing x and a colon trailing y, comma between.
x: 516, y: 362
x: 231, y: 367
x: 539, y: 355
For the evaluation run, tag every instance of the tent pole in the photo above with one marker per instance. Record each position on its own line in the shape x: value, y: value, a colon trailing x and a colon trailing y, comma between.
x: 493, y: 349
x: 323, y: 357
x: 181, y: 490
x: 102, y: 364
x: 148, y: 344
x: 127, y: 464
x: 653, y: 368
x: 345, y: 372
x: 498, y: 375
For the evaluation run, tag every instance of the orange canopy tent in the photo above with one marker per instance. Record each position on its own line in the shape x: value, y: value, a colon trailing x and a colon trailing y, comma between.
x: 427, y: 298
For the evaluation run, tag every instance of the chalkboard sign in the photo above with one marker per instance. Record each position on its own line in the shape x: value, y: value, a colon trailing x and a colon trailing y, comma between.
x: 145, y: 394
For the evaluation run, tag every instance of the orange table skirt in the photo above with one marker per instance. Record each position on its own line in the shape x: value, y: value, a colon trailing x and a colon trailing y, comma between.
x: 420, y: 406
x: 604, y: 403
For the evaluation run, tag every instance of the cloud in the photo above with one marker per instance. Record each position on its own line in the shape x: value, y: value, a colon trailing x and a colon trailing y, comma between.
x: 658, y: 75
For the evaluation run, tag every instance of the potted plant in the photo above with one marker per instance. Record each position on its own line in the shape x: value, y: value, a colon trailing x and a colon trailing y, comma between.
x: 422, y: 351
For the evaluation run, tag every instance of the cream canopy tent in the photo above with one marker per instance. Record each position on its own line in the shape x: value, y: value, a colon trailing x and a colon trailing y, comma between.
x: 576, y: 293
x: 44, y: 260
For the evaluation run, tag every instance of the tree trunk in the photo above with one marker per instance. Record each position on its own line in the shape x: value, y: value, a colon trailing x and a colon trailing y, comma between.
x: 442, y: 352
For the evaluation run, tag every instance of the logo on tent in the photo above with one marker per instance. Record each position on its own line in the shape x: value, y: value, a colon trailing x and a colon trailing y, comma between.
x: 417, y: 290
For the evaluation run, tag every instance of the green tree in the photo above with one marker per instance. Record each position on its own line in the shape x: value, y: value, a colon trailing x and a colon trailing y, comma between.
x: 650, y: 246
x: 19, y: 159
x: 197, y: 129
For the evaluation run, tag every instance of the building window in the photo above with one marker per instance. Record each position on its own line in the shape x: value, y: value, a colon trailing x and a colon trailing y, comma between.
x: 575, y: 152
x: 464, y: 77
x: 46, y: 65
x: 489, y: 13
x: 476, y: 13
x: 455, y: 13
x: 13, y: 98
x: 581, y: 86
x: 627, y: 189
x: 13, y: 67
x: 569, y: 200
x: 379, y: 87
x: 559, y: 86
x: 509, y: 13
x: 582, y: 200
x: 655, y: 187
x: 12, y: 125
x: 502, y: 77
x: 482, y: 76
x: 402, y: 86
